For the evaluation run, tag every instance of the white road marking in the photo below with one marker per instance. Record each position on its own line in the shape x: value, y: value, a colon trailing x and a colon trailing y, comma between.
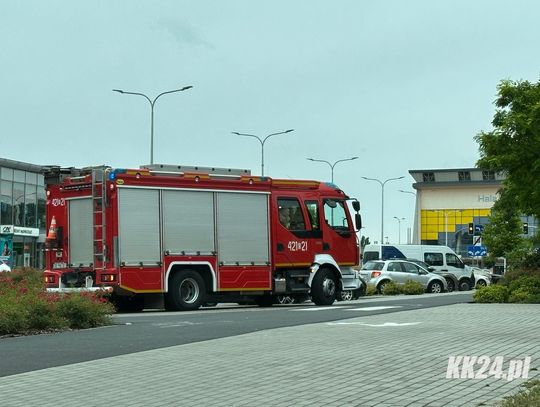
x: 386, y: 324
x: 314, y: 309
x: 374, y: 308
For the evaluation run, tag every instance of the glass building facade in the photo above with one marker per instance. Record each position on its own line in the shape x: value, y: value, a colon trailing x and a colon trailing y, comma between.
x: 22, y: 214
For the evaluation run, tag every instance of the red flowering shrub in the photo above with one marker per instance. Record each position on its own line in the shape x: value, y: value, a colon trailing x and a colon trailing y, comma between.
x: 26, y: 307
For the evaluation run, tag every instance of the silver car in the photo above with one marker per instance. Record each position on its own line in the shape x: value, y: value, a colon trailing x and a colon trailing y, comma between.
x: 380, y: 272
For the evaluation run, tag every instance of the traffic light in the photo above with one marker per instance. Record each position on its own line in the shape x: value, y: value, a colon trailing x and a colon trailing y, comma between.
x: 525, y: 228
x: 471, y: 228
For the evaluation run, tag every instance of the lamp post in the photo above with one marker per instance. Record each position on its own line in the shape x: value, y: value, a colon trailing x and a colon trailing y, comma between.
x: 332, y: 165
x: 262, y: 141
x: 152, y: 103
x: 407, y: 192
x: 382, y: 198
x: 399, y: 228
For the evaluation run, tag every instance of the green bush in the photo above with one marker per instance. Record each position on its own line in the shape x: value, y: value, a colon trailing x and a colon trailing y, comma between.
x: 84, y: 311
x: 26, y: 307
x: 412, y: 288
x: 529, y: 396
x: 371, y: 290
x: 391, y: 288
x: 492, y: 293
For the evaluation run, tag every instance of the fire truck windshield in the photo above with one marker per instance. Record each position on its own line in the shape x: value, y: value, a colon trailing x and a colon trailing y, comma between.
x: 335, y: 214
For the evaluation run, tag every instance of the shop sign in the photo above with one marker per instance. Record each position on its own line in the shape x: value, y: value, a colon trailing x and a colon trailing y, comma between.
x: 18, y: 230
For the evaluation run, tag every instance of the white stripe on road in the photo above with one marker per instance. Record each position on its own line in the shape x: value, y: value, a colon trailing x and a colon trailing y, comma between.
x: 315, y: 309
x: 386, y: 324
x: 374, y: 308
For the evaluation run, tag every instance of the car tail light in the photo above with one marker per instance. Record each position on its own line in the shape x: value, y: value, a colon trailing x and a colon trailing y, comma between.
x: 49, y: 279
x: 375, y: 274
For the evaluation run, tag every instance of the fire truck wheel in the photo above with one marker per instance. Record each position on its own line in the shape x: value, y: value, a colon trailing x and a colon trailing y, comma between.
x: 186, y: 291
x: 324, y: 288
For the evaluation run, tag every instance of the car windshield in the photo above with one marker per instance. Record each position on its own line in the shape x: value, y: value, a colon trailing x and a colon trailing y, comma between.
x: 373, y: 265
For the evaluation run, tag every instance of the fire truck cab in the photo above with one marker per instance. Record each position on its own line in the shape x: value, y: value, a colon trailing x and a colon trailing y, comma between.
x: 190, y: 235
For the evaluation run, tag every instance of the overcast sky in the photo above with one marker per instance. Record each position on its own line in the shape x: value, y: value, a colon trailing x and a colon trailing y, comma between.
x: 401, y: 84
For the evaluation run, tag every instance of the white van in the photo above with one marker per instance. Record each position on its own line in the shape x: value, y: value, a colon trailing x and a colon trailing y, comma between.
x: 441, y: 259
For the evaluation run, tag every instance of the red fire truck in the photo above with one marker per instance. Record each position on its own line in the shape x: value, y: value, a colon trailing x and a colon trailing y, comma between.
x: 190, y: 235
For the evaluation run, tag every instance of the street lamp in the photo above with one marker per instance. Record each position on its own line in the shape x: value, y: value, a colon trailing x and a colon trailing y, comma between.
x: 407, y: 192
x: 382, y: 198
x: 262, y: 141
x: 399, y: 228
x: 152, y: 103
x: 332, y: 165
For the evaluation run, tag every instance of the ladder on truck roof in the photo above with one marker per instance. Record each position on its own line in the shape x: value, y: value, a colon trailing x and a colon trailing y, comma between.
x: 99, y: 203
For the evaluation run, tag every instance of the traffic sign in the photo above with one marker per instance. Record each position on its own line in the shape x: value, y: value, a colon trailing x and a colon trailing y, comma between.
x: 476, y: 250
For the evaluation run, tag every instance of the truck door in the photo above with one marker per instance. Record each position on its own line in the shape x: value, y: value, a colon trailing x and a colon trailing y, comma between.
x: 297, y: 231
x: 339, y: 239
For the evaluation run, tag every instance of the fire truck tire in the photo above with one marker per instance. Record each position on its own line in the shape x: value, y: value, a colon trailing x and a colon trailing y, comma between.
x: 186, y: 291
x: 324, y: 288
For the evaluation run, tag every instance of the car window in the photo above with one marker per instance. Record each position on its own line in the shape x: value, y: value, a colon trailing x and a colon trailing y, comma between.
x: 290, y: 214
x: 410, y: 267
x: 394, y: 266
x: 434, y: 259
x: 367, y: 256
x: 453, y: 260
x: 373, y: 265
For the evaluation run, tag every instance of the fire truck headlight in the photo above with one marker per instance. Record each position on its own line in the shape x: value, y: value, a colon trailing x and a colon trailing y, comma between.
x: 49, y: 279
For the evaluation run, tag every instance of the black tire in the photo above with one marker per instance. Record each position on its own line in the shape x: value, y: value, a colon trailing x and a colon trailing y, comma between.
x: 451, y: 285
x: 435, y: 287
x: 324, y: 288
x: 186, y: 291
x: 265, y: 300
x: 133, y: 303
x: 380, y: 287
x: 464, y: 285
x: 481, y: 283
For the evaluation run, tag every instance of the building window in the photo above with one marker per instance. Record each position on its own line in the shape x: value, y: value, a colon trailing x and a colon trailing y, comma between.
x: 428, y: 176
x: 488, y: 175
x: 464, y: 175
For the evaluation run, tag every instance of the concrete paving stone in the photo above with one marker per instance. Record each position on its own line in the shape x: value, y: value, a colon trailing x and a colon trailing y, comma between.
x: 242, y: 371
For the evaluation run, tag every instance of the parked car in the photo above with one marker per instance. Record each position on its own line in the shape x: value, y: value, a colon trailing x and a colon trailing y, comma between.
x: 380, y: 272
x: 482, y: 277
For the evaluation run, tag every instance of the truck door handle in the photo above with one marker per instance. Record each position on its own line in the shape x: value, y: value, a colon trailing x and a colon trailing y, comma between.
x: 280, y: 247
x: 325, y: 246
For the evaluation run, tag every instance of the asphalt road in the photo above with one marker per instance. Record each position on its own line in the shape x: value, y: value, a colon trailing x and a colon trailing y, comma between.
x: 158, y: 329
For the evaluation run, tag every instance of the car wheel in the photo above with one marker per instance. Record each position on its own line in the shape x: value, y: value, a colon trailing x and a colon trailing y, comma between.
x: 451, y: 285
x: 464, y: 285
x: 346, y: 295
x: 481, y: 283
x: 435, y: 287
x: 285, y: 299
x: 324, y: 288
x: 380, y: 287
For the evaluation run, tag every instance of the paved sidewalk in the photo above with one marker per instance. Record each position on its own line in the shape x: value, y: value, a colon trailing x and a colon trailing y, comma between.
x: 397, y: 359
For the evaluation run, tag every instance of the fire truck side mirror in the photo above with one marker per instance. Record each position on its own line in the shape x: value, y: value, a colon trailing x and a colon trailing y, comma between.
x: 358, y: 221
x: 356, y: 206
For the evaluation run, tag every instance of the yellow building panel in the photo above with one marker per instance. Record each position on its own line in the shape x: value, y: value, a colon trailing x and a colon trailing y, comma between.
x: 432, y: 236
x: 432, y: 229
